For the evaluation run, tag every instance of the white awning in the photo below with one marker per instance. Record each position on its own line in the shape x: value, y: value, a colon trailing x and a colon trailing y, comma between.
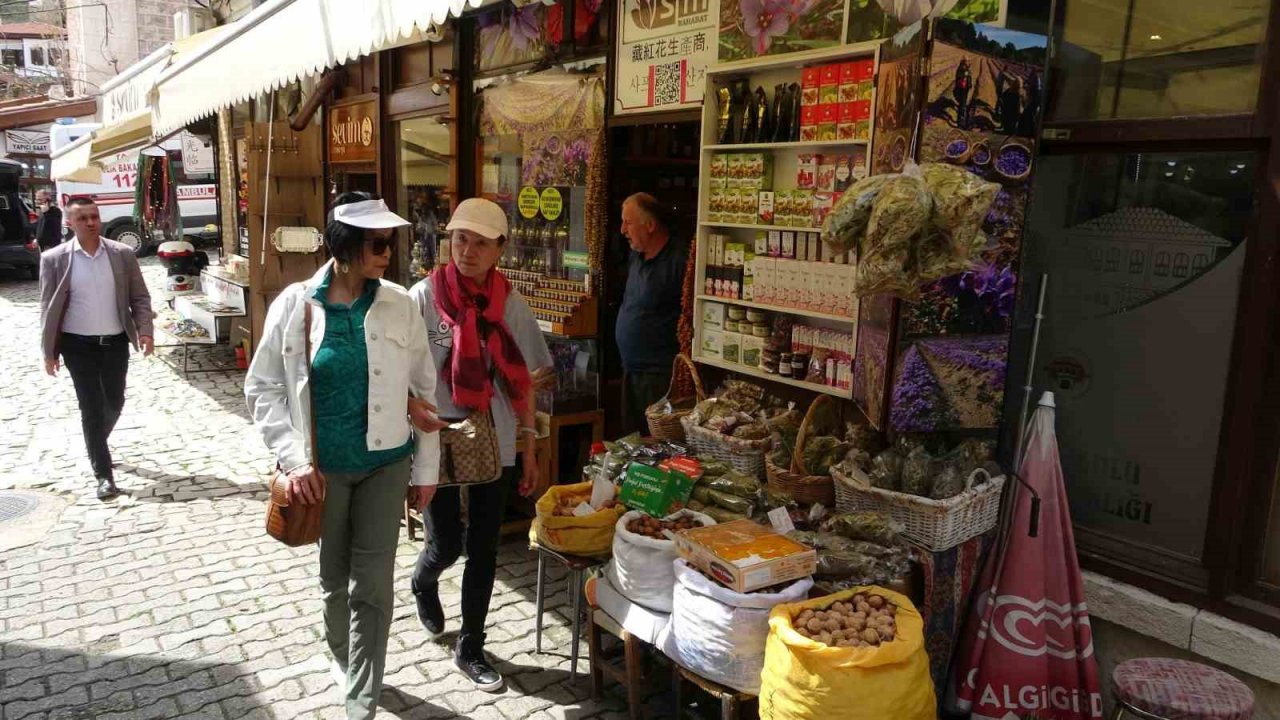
x: 72, y: 162
x: 286, y: 40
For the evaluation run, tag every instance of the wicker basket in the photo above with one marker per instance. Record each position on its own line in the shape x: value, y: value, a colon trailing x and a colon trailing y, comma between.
x: 666, y: 425
x: 793, y: 481
x: 935, y: 525
x: 745, y: 456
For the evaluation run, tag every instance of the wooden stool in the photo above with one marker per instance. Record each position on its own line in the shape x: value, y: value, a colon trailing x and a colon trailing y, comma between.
x: 576, y: 566
x: 629, y: 675
x: 1163, y: 688
x: 732, y: 702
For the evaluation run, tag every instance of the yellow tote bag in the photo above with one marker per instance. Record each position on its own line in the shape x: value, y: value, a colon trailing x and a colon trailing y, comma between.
x: 586, y: 535
x: 807, y: 680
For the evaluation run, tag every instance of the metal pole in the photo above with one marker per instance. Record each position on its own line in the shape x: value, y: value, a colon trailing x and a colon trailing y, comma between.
x: 1031, y: 365
x: 266, y: 186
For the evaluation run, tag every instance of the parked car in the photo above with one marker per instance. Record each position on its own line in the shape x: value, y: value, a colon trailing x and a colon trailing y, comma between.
x: 18, y: 248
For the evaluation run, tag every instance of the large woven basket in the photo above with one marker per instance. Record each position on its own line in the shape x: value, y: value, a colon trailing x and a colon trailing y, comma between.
x: 746, y: 456
x: 793, y: 481
x: 935, y: 525
x: 666, y: 425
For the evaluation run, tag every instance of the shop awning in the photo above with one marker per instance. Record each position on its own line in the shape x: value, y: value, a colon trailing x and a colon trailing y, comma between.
x: 285, y: 40
x: 72, y: 162
x: 131, y: 132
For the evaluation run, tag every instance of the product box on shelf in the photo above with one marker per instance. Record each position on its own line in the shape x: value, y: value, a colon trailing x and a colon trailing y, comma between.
x: 713, y: 315
x: 734, y: 170
x: 762, y: 242
x: 822, y: 204
x: 659, y: 491
x: 844, y: 175
x: 748, y: 208
x: 719, y: 166
x: 775, y: 238
x: 744, y: 556
x: 757, y: 171
x: 826, y: 174
x: 814, y: 242
x: 809, y: 123
x: 847, y: 127
x: 810, y: 80
x: 765, y: 207
x: 829, y: 85
x: 828, y: 119
x: 788, y: 245
x: 715, y: 205
x: 807, y: 169
x: 750, y: 349
x: 731, y: 347
x: 712, y: 344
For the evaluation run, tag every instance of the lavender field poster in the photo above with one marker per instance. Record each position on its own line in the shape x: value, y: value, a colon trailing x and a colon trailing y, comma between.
x: 898, y: 99
x: 981, y: 112
x: 755, y: 28
x: 878, y: 19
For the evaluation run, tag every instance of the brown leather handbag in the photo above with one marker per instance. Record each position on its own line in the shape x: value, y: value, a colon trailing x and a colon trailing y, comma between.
x: 469, y: 451
x: 299, y: 524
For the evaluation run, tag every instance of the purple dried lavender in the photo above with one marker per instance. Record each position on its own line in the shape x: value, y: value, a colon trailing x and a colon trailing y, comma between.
x: 1013, y: 161
x: 957, y: 148
x: 918, y: 403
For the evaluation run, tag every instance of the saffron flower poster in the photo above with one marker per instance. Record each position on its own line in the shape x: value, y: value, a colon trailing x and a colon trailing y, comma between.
x: 755, y: 28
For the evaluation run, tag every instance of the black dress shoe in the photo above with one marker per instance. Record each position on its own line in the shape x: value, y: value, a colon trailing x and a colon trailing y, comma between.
x: 472, y: 662
x: 107, y: 489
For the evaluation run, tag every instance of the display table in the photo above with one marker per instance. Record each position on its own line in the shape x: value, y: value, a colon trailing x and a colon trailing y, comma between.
x: 221, y: 298
x: 630, y: 674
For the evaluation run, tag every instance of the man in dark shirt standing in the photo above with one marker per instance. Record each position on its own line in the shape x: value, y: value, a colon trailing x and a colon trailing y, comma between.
x: 646, y: 328
x: 49, y: 226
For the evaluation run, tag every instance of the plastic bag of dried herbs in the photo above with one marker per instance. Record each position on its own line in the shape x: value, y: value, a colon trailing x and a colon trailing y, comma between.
x: 868, y: 526
x: 947, y: 483
x: 734, y: 483
x: 886, y: 469
x: 916, y: 472
x: 899, y: 218
x: 820, y: 453
x: 846, y: 224
x: 961, y: 201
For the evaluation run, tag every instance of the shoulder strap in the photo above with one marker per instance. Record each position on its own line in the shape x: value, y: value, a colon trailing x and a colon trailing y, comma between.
x: 311, y: 394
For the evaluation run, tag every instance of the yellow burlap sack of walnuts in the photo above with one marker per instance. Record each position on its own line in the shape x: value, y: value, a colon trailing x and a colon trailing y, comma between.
x: 856, y: 655
x: 557, y: 528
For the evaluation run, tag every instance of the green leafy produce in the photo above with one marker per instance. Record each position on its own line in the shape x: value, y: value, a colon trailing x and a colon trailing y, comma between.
x: 868, y: 526
x: 820, y: 453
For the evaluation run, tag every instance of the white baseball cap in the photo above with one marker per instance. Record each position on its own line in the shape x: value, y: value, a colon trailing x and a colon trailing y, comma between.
x: 368, y: 214
x: 479, y: 216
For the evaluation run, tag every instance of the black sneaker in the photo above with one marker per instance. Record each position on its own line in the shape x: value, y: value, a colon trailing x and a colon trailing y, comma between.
x: 430, y: 614
x: 107, y: 489
x: 473, y: 663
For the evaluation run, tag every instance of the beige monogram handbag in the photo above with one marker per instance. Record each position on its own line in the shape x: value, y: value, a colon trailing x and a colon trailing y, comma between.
x: 469, y: 451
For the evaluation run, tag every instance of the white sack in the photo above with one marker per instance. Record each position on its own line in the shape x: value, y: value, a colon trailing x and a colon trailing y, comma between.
x: 642, y: 565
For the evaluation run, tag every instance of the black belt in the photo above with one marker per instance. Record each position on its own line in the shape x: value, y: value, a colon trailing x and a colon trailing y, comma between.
x: 97, y: 339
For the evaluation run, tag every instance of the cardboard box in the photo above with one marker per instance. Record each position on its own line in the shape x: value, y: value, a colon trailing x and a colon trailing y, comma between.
x: 829, y: 85
x: 713, y: 314
x: 744, y: 556
x: 764, y: 207
x: 748, y: 287
x: 809, y: 123
x: 807, y: 169
x: 775, y: 242
x: 822, y: 204
x: 846, y: 126
x: 826, y: 174
x: 802, y: 202
x: 762, y: 242
x: 659, y: 491
x: 828, y: 118
x: 719, y: 166
x: 844, y: 173
x: 712, y: 345
x: 788, y: 245
x: 732, y: 347
x: 749, y: 351
x: 748, y: 205
x: 865, y: 89
x: 709, y: 281
x: 814, y: 241
x: 849, y: 81
x: 810, y: 79
x: 734, y: 170
x: 715, y: 205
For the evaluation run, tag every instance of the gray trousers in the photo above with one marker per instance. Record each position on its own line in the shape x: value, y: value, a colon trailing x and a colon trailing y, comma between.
x: 357, y: 566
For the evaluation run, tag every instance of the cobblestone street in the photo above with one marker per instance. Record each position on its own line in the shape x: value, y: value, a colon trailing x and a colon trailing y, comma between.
x: 171, y: 601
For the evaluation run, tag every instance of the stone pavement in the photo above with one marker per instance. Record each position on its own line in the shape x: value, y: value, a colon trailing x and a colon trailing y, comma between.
x: 171, y: 601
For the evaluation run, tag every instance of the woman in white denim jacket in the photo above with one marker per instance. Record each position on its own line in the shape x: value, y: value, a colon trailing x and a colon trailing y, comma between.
x: 369, y: 352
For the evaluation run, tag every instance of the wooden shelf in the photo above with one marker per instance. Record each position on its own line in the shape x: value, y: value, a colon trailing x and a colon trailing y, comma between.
x: 795, y: 60
x: 798, y: 312
x: 740, y: 226
x: 757, y: 372
x: 784, y: 145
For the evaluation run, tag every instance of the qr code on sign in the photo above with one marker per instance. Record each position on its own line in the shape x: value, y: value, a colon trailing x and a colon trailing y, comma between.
x: 666, y: 84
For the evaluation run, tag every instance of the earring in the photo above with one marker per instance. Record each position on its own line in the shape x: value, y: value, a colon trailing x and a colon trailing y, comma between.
x: 344, y: 268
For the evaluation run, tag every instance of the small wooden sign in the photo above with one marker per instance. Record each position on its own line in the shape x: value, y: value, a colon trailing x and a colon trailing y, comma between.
x: 353, y: 132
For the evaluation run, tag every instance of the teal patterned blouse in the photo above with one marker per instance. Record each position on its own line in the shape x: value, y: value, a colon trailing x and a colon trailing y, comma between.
x: 340, y: 389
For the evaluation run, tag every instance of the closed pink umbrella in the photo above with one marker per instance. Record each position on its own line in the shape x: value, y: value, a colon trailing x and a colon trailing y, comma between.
x: 1027, y: 649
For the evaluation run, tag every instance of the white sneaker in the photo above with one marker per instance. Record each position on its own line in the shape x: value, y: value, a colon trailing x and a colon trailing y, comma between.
x: 338, y: 675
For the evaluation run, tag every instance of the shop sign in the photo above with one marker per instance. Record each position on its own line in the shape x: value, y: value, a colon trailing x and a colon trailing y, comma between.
x: 528, y: 202
x: 197, y: 155
x: 28, y: 142
x: 130, y: 97
x: 551, y: 204
x: 353, y: 132
x: 575, y: 259
x: 664, y: 50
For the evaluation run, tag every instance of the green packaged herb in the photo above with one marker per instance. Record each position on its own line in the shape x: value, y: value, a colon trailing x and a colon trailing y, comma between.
x: 655, y: 491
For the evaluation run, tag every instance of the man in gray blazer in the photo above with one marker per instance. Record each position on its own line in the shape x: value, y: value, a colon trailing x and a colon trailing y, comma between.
x: 93, y: 305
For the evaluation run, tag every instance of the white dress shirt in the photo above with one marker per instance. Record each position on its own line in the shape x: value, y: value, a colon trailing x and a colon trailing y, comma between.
x: 92, y: 308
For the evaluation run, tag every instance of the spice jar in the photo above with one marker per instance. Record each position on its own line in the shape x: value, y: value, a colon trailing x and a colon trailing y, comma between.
x: 737, y: 313
x: 732, y: 326
x: 784, y: 364
x: 757, y: 316
x: 760, y: 330
x: 799, y: 364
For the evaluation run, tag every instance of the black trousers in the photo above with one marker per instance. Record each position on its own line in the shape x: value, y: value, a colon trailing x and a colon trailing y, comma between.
x: 98, y: 367
x: 446, y: 538
x: 640, y: 390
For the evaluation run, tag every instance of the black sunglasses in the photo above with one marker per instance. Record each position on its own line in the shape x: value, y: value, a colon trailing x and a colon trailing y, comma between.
x: 380, y: 245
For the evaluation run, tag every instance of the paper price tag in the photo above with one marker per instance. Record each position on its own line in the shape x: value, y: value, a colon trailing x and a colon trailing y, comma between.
x: 780, y: 519
x: 583, y: 509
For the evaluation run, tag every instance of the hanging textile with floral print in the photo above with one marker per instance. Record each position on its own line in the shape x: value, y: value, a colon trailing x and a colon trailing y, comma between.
x: 155, y: 199
x: 545, y: 101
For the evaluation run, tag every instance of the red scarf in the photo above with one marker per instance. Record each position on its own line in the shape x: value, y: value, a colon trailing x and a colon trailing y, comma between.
x: 470, y: 309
